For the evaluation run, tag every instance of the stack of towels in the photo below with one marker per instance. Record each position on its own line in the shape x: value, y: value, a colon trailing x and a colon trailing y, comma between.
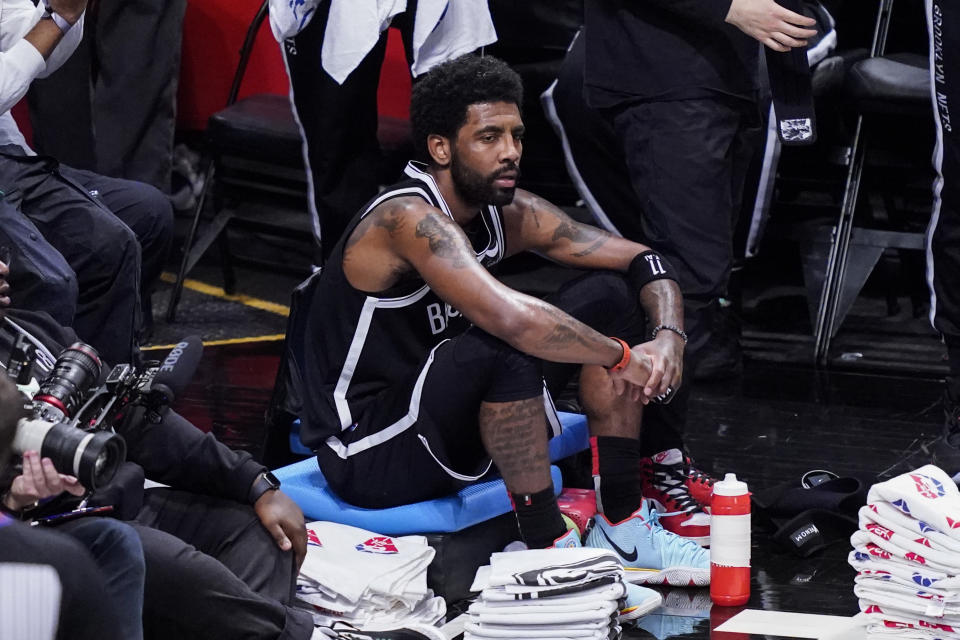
x: 907, y: 556
x: 547, y: 593
x: 366, y: 579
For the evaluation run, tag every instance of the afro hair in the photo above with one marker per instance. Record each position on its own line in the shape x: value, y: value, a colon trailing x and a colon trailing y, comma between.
x: 439, y: 101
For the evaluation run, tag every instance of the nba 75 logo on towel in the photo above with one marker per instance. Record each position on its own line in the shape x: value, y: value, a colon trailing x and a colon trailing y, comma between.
x: 928, y: 487
x: 378, y: 544
x: 313, y: 539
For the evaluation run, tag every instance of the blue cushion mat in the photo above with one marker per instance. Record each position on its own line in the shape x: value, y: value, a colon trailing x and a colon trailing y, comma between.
x: 305, y: 484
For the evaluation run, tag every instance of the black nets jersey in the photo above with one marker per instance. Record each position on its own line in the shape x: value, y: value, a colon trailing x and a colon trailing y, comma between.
x: 357, y: 343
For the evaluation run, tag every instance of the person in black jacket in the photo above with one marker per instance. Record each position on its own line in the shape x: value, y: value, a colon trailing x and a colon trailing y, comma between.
x: 222, y: 546
x: 48, y: 579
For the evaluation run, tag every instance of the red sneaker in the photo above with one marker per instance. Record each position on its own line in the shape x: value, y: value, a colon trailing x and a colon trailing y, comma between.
x: 665, y: 484
x: 699, y: 484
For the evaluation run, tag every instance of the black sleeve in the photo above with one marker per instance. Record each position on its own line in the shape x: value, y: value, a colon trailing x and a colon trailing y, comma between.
x: 176, y: 453
x: 707, y: 13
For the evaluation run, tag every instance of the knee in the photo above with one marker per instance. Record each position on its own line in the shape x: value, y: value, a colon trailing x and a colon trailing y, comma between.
x: 510, y: 374
x: 158, y: 208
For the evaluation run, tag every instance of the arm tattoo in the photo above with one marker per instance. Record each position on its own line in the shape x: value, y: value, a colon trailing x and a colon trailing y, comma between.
x: 564, y: 332
x: 444, y: 243
x: 391, y: 219
x: 580, y: 234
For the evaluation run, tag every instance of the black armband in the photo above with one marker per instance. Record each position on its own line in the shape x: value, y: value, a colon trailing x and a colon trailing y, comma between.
x: 647, y: 267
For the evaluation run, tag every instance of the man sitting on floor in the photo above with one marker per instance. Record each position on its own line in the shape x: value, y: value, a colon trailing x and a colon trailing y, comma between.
x: 425, y: 370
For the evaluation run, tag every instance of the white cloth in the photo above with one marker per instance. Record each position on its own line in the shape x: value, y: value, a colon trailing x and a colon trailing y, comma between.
x: 546, y: 567
x: 290, y: 17
x: 872, y: 558
x: 887, y: 621
x: 367, y: 579
x: 927, y: 494
x: 581, y: 632
x: 612, y: 590
x: 442, y: 29
x: 895, y: 552
x: 921, y: 547
x: 430, y: 611
x: 888, y: 516
x: 908, y: 600
x: 21, y: 63
x: 353, y: 28
x: 522, y: 616
x: 481, y: 632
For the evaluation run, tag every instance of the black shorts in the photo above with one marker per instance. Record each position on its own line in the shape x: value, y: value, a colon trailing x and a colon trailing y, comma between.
x: 421, y: 440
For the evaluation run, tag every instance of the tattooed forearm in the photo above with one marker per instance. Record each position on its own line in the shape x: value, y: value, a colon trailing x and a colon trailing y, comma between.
x: 575, y: 232
x: 602, y: 240
x: 444, y: 242
x: 565, y: 331
x: 663, y: 303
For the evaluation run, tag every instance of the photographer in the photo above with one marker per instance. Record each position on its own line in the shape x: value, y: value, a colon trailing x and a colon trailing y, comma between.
x: 73, y: 599
x: 215, y: 566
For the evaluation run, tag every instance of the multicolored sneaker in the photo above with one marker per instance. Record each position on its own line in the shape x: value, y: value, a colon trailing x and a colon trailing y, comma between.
x: 649, y: 553
x: 665, y: 483
x: 569, y: 540
x: 638, y: 602
x: 699, y: 484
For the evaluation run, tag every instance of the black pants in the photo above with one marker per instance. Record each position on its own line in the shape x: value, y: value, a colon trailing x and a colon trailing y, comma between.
x: 943, y: 236
x: 83, y: 247
x: 339, y: 125
x: 213, y: 571
x: 443, y: 442
x: 120, y: 83
x: 84, y: 611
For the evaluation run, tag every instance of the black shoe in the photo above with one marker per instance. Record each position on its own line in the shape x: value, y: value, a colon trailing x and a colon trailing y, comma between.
x: 721, y: 358
x: 943, y: 451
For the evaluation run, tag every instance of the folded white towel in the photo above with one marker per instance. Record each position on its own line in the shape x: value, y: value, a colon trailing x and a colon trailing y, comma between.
x: 927, y: 494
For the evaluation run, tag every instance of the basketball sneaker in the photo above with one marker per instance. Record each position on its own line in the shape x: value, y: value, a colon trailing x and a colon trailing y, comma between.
x: 699, y: 484
x: 638, y: 601
x: 649, y: 553
x: 664, y: 480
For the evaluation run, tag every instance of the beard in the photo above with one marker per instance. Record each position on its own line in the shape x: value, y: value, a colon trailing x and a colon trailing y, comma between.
x: 476, y: 188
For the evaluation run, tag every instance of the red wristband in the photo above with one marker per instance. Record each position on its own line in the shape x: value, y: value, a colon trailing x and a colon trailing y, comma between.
x: 625, y: 360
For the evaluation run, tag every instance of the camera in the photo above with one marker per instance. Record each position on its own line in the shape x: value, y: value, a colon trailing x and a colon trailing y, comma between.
x: 91, y: 455
x: 72, y: 415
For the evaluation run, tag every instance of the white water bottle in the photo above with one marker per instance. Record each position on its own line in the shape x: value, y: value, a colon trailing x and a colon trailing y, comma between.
x: 730, y: 542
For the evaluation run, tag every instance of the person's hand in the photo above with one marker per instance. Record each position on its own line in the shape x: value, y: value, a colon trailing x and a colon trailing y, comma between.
x: 666, y: 357
x: 69, y: 10
x: 632, y: 378
x: 283, y: 519
x: 39, y: 481
x: 4, y: 286
x: 773, y: 25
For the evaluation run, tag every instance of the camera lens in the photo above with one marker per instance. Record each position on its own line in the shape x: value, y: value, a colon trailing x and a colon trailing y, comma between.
x: 62, y: 392
x: 93, y: 458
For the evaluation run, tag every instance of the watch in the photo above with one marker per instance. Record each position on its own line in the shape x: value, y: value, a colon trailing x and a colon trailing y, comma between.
x: 266, y: 481
x: 60, y: 21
